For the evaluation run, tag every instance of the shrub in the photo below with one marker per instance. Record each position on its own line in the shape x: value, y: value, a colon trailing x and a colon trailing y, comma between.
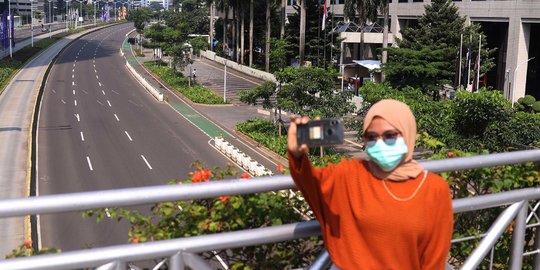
x: 536, y: 107
x: 474, y: 112
x: 179, y: 219
x: 197, y: 93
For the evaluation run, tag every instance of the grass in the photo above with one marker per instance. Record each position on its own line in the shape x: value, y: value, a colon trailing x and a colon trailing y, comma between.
x: 196, y: 93
x: 265, y: 132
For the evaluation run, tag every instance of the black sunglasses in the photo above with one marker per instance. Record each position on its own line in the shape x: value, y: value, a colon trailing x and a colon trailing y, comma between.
x: 389, y: 137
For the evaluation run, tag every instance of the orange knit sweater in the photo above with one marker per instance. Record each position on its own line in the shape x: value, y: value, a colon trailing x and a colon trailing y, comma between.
x: 364, y: 227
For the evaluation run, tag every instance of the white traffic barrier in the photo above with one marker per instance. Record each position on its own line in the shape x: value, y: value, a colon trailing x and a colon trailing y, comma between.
x: 240, y: 158
x: 158, y: 95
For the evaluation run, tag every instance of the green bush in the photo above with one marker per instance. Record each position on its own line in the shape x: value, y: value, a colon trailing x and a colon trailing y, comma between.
x: 536, y: 106
x: 197, y: 93
x: 528, y: 100
x: 474, y: 112
x: 265, y: 132
x: 170, y: 220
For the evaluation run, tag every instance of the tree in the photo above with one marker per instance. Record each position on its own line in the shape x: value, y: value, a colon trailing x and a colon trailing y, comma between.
x: 367, y: 11
x: 268, y: 31
x: 426, y: 57
x: 384, y: 5
x: 319, y: 43
x: 311, y: 91
x: 140, y: 17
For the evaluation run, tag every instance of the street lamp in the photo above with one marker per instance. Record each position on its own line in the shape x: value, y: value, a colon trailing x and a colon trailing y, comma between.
x: 514, y: 78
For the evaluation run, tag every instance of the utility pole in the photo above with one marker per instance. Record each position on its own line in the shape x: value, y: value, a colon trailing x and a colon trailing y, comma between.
x: 10, y: 34
x: 32, y: 21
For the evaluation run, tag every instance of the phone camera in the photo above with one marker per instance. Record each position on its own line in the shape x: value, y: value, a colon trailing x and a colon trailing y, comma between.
x: 334, y: 122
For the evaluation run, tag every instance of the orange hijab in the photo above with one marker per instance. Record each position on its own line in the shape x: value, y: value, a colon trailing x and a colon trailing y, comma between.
x: 399, y: 115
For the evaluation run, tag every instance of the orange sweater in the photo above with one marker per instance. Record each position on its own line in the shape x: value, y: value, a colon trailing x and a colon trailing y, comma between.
x: 364, y: 227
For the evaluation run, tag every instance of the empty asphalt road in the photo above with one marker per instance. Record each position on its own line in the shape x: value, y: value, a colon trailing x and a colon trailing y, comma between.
x: 99, y: 129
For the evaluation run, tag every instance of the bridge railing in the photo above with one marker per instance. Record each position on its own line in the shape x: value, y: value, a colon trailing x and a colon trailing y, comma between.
x: 181, y: 252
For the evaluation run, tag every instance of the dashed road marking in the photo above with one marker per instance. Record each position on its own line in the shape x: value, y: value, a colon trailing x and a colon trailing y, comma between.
x: 89, y: 163
x: 63, y: 101
x: 146, y: 161
x: 75, y: 101
x: 103, y: 92
x: 100, y: 103
x: 82, y: 136
x: 74, y: 92
x: 129, y: 137
x: 73, y: 83
x: 99, y: 83
x: 116, y: 116
x: 78, y: 117
x: 108, y: 102
x: 97, y: 77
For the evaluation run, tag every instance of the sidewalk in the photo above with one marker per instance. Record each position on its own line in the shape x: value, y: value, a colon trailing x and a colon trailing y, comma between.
x: 210, y: 74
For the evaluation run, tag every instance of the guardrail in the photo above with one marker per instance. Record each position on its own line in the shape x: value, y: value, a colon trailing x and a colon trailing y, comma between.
x: 180, y: 252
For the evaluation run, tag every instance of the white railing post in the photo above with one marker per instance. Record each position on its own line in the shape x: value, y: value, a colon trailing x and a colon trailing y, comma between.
x: 176, y: 262
x: 518, y: 238
x: 493, y: 234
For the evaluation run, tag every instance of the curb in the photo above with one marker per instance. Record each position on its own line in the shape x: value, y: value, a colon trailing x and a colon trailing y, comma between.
x: 32, y: 145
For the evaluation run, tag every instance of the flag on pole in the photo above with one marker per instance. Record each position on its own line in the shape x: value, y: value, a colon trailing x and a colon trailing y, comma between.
x: 324, y: 16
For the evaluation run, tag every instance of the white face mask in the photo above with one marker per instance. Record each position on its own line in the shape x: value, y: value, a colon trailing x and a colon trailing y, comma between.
x: 387, y: 156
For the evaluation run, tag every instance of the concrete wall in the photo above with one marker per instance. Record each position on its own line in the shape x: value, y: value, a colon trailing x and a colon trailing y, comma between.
x: 244, y: 69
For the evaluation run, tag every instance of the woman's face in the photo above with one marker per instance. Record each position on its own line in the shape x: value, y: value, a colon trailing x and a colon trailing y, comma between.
x: 380, y: 129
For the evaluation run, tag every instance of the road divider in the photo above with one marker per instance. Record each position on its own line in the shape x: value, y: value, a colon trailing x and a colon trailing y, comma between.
x: 240, y: 158
x: 158, y: 95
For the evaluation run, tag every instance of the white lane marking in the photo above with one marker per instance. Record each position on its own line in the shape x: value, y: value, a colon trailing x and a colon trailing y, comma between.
x: 95, y: 71
x: 78, y: 117
x: 100, y: 103
x: 129, y: 137
x: 63, y: 101
x: 116, y: 116
x: 103, y: 92
x: 53, y: 91
x: 73, y: 83
x: 97, y: 77
x: 99, y: 83
x: 75, y: 61
x: 89, y: 163
x: 146, y: 161
x: 73, y: 70
x: 82, y: 136
x: 108, y: 102
x: 75, y: 101
x: 73, y: 76
x: 115, y: 92
x: 73, y: 64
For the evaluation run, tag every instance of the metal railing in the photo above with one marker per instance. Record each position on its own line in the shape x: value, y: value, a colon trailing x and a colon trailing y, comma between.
x: 180, y: 252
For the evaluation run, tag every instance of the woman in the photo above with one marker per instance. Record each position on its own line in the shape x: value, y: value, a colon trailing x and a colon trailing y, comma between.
x: 386, y: 212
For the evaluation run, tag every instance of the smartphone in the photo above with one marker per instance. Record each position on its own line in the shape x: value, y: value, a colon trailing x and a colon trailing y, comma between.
x: 324, y: 132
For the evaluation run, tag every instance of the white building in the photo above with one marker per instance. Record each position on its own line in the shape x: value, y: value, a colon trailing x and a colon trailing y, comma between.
x: 512, y: 26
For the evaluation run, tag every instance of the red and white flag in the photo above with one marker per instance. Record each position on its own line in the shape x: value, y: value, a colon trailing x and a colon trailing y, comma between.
x: 325, y: 15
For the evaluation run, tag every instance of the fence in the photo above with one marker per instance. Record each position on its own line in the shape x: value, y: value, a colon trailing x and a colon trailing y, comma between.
x: 181, y: 252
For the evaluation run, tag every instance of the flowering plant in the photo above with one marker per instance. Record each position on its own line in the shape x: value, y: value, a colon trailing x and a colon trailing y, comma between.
x: 179, y: 219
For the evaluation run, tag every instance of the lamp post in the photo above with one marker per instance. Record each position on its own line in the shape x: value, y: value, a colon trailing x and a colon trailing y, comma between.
x: 10, y: 34
x: 514, y: 78
x: 67, y: 23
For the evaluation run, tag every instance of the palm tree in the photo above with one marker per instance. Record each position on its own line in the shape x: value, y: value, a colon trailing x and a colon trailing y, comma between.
x: 283, y: 15
x: 267, y: 52
x: 212, y: 5
x: 367, y: 10
x: 303, y: 29
x: 250, y: 32
x: 384, y: 5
